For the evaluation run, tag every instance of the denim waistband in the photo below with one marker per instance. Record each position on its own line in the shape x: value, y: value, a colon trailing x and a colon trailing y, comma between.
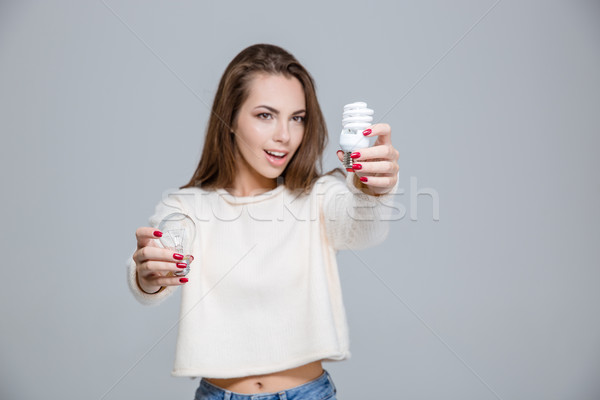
x: 318, y: 389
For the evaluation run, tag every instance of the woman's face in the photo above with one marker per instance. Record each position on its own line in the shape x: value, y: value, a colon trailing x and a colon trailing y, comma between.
x: 268, y: 130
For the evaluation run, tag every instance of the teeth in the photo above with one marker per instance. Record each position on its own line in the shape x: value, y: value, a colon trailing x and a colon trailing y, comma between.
x: 275, y: 153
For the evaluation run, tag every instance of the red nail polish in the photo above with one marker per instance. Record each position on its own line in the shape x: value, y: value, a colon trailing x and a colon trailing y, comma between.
x: 356, y: 154
x: 158, y: 233
x: 363, y: 178
x: 356, y: 166
x: 183, y: 280
x: 177, y: 256
x: 181, y: 265
x: 366, y: 132
x: 349, y: 170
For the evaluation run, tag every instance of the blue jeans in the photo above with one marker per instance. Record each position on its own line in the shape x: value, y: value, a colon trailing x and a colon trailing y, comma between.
x: 321, y: 388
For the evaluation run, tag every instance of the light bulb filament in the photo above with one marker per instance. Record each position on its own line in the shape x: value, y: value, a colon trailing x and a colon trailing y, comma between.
x: 177, y: 236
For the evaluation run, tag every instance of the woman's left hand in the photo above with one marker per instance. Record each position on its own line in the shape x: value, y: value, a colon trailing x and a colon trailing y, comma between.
x: 377, y: 166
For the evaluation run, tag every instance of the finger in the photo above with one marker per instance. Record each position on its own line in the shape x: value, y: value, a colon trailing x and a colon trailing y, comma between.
x: 340, y: 155
x: 166, y: 280
x: 145, y: 234
x: 151, y: 253
x: 379, y: 181
x: 375, y: 167
x: 382, y: 131
x: 381, y: 152
x: 147, y: 268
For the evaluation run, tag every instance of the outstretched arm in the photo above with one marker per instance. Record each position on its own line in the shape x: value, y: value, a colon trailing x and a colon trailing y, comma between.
x: 357, y: 213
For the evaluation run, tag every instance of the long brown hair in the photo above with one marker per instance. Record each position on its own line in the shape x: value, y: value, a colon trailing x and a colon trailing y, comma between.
x: 217, y: 167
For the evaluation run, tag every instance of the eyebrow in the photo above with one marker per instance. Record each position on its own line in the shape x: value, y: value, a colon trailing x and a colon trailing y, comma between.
x: 274, y: 111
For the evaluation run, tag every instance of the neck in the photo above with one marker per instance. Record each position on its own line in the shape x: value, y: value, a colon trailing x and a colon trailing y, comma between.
x: 250, y: 183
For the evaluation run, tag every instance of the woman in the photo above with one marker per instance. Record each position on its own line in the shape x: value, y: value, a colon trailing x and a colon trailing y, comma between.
x: 262, y: 304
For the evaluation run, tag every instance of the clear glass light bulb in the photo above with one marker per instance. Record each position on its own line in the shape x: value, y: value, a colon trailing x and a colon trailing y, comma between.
x: 356, y: 118
x: 179, y: 232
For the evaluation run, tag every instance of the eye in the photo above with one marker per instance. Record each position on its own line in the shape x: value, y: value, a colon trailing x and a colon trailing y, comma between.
x: 301, y: 118
x: 261, y: 114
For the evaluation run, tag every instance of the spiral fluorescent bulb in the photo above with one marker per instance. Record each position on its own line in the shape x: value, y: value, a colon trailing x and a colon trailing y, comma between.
x: 356, y: 118
x: 179, y: 231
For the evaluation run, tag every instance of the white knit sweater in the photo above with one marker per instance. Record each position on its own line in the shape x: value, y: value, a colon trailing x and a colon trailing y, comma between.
x: 264, y: 293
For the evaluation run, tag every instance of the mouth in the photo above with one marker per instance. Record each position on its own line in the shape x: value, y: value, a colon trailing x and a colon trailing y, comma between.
x: 276, y: 158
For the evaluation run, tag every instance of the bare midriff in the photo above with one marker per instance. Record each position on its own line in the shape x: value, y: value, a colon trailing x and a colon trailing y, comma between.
x: 274, y: 382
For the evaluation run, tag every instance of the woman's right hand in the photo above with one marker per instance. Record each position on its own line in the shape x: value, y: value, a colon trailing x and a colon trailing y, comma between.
x: 155, y: 265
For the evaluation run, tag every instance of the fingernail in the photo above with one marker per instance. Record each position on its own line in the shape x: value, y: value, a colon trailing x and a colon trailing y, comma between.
x: 366, y: 132
x: 192, y: 257
x: 181, y: 265
x: 349, y: 170
x: 177, y: 256
x: 158, y: 233
x: 183, y: 280
x: 363, y: 178
x: 356, y: 154
x: 356, y: 166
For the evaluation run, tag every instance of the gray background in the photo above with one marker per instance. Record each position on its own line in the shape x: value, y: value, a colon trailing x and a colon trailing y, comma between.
x: 494, y: 105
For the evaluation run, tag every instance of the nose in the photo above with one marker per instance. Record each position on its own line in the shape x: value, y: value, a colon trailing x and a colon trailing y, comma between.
x: 282, y: 132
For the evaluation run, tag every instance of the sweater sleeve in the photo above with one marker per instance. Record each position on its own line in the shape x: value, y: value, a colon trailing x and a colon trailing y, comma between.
x: 169, y: 204
x: 353, y: 219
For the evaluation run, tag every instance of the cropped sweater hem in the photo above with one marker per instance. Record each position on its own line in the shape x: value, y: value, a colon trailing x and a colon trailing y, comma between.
x: 325, y: 356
